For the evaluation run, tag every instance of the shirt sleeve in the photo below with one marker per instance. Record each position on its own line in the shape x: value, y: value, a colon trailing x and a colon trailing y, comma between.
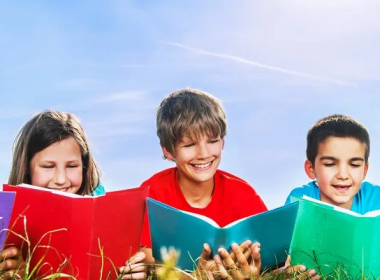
x: 298, y: 192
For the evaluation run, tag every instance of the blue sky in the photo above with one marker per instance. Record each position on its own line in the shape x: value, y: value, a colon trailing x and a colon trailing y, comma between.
x: 277, y: 66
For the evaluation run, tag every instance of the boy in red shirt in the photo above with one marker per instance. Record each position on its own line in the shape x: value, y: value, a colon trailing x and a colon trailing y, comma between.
x: 191, y: 126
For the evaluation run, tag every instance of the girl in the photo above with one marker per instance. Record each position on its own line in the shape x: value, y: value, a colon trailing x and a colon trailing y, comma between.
x: 51, y: 151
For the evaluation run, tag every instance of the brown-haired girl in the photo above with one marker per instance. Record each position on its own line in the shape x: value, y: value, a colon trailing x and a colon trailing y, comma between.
x: 52, y: 151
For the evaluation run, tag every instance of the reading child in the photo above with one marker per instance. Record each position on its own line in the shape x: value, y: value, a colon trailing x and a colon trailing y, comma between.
x: 52, y: 151
x: 337, y: 161
x: 191, y: 126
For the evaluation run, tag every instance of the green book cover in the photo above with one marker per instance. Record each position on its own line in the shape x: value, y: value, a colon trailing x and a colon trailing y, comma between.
x: 336, y: 242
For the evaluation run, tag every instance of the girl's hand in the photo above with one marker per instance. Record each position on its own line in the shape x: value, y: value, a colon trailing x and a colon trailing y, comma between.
x: 11, y: 263
x: 135, y: 268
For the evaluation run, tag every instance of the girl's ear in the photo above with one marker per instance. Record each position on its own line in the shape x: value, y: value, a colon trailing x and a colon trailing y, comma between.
x: 223, y: 143
x: 309, y: 169
x: 167, y: 154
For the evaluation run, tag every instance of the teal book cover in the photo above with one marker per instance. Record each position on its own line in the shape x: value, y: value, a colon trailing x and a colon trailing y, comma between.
x: 187, y: 232
x: 337, y: 242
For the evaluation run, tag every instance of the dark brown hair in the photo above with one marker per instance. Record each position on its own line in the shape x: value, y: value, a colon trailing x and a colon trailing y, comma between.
x: 336, y: 126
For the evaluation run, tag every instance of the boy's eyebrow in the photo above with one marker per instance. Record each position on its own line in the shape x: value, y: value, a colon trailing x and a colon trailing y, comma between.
x: 333, y: 158
x: 327, y: 158
x: 357, y: 159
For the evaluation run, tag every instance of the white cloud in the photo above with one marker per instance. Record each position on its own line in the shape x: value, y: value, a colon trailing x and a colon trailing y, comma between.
x: 136, y: 95
x: 238, y: 59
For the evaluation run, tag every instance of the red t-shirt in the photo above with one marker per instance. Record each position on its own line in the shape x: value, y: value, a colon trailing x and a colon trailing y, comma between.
x: 232, y: 199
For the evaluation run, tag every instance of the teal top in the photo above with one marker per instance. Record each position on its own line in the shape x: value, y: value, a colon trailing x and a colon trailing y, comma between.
x: 99, y: 191
x: 366, y: 200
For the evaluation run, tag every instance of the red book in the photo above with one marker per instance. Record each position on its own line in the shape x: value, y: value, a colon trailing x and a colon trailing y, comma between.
x: 113, y: 222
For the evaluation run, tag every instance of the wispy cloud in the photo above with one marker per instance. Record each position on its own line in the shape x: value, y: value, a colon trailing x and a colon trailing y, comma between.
x: 149, y: 66
x: 134, y: 95
x: 260, y: 65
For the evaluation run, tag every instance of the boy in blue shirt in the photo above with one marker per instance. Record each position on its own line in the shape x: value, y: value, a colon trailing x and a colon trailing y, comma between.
x: 337, y: 161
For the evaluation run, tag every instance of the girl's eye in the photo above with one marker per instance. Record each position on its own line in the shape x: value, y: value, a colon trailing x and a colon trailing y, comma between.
x: 48, y: 166
x: 72, y: 166
x: 214, y: 141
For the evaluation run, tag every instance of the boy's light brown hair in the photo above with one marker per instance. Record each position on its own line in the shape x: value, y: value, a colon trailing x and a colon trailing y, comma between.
x: 191, y: 113
x: 42, y: 130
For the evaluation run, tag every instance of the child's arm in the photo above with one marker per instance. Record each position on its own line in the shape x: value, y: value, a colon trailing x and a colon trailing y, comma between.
x: 11, y: 263
x: 135, y: 267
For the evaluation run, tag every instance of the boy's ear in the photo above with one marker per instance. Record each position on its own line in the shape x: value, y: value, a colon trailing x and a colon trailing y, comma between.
x: 309, y: 169
x: 366, y: 169
x: 223, y: 143
x: 167, y: 154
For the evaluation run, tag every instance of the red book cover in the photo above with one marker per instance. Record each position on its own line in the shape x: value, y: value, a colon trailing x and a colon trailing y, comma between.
x: 81, y: 225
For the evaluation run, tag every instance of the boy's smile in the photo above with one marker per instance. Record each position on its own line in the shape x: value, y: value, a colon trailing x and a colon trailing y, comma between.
x: 202, y: 167
x: 339, y: 170
x: 197, y: 160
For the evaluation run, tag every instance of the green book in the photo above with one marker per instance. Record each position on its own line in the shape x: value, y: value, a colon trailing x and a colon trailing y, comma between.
x: 336, y: 242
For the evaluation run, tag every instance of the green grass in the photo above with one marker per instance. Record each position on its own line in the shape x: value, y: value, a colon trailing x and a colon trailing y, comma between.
x: 165, y: 271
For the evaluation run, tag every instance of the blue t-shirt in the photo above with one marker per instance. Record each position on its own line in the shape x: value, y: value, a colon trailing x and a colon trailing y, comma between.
x: 366, y: 200
x: 99, y: 191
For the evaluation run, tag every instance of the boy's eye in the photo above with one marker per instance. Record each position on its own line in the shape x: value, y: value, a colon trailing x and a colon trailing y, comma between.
x: 355, y: 164
x: 329, y: 164
x: 214, y: 141
x: 188, y: 145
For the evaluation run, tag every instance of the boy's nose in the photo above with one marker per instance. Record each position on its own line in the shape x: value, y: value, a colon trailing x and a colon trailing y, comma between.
x: 203, y: 151
x: 342, y: 173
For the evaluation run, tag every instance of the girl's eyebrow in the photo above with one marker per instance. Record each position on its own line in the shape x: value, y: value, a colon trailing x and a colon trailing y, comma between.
x: 53, y: 161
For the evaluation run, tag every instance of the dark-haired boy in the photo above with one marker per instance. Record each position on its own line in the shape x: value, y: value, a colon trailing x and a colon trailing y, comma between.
x: 337, y: 152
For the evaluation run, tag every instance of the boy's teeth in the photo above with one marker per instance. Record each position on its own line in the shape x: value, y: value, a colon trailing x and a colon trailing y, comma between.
x: 202, y: 165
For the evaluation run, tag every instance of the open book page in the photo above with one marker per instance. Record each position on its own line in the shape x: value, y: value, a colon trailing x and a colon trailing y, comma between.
x: 73, y: 195
x: 34, y: 187
x: 343, y: 210
x: 374, y: 213
x: 204, y: 218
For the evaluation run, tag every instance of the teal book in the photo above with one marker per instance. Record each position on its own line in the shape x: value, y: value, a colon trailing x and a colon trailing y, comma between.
x: 187, y: 232
x: 338, y: 243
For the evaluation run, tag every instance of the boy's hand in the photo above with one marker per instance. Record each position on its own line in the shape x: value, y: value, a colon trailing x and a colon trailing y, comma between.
x: 11, y: 263
x: 243, y: 263
x: 205, y: 263
x: 135, y: 268
x: 207, y: 266
x: 300, y: 271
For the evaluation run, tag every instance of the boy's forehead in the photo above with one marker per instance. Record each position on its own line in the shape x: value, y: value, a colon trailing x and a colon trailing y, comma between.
x: 341, y: 147
x: 196, y: 136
